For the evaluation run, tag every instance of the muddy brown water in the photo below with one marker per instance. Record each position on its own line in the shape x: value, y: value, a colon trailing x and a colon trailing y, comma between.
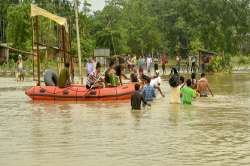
x: 213, y: 131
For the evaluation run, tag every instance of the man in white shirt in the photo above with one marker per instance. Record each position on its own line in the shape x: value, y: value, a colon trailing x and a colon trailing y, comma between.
x: 156, y: 82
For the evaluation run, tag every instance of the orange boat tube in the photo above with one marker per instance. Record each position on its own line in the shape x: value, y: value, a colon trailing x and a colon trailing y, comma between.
x: 80, y: 93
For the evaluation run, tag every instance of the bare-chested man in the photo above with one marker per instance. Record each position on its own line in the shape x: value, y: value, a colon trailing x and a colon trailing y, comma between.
x: 203, y: 87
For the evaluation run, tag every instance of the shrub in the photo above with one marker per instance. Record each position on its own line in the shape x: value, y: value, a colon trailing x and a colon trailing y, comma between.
x: 220, y: 63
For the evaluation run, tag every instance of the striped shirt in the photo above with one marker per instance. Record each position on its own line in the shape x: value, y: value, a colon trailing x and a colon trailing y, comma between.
x: 93, y: 78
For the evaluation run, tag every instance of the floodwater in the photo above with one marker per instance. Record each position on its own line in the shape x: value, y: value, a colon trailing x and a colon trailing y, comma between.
x: 212, y: 132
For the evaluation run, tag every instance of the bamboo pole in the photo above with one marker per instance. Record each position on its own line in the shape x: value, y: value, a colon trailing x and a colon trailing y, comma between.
x: 78, y: 42
x: 33, y: 56
x: 63, y: 44
x: 60, y: 48
x: 52, y: 47
x: 17, y: 50
x: 37, y: 51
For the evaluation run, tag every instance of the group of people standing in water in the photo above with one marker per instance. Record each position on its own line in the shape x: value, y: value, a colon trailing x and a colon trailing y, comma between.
x: 182, y: 90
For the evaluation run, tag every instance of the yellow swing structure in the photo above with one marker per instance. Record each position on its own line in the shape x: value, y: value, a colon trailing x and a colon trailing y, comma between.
x: 64, y: 39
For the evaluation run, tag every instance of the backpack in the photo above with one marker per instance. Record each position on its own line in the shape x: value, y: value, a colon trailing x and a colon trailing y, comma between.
x: 174, y: 78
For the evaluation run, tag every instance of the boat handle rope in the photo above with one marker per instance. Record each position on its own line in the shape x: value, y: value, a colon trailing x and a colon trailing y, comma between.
x: 42, y: 90
x: 63, y: 90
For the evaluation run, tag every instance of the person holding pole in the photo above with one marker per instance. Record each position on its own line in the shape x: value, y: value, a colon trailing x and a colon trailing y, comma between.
x: 95, y: 79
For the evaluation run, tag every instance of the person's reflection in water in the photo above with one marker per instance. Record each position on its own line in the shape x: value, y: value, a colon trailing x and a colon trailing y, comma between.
x: 188, y: 110
x: 137, y: 114
x: 64, y: 107
x: 37, y: 133
x: 174, y: 113
x: 44, y: 106
x: 140, y: 114
x: 66, y: 124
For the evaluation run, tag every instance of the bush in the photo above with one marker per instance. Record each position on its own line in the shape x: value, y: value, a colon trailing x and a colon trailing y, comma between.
x: 243, y: 60
x: 220, y: 63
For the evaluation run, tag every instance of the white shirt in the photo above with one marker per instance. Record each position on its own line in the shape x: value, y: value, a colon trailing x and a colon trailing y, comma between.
x: 149, y: 60
x: 155, y: 82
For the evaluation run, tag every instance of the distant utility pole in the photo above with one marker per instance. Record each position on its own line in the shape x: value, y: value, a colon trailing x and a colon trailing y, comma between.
x: 78, y: 41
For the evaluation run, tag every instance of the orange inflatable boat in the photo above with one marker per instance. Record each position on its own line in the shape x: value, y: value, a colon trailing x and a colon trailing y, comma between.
x: 80, y: 93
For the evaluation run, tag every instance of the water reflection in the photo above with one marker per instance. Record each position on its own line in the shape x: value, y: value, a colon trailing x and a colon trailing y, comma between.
x: 174, y: 113
x: 137, y: 114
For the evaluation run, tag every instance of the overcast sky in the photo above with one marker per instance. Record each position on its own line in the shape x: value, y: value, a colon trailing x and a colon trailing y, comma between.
x: 97, y: 4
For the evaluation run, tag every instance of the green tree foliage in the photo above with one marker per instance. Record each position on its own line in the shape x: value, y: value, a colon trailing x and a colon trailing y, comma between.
x: 141, y: 26
x: 4, y: 4
x: 108, y: 30
x: 19, y: 26
x: 143, y: 34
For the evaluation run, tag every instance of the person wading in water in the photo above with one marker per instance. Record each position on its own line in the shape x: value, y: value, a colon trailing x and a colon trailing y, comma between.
x: 203, y: 86
x: 137, y: 98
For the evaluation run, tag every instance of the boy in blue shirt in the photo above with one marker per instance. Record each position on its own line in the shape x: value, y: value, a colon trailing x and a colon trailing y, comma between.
x: 148, y: 91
